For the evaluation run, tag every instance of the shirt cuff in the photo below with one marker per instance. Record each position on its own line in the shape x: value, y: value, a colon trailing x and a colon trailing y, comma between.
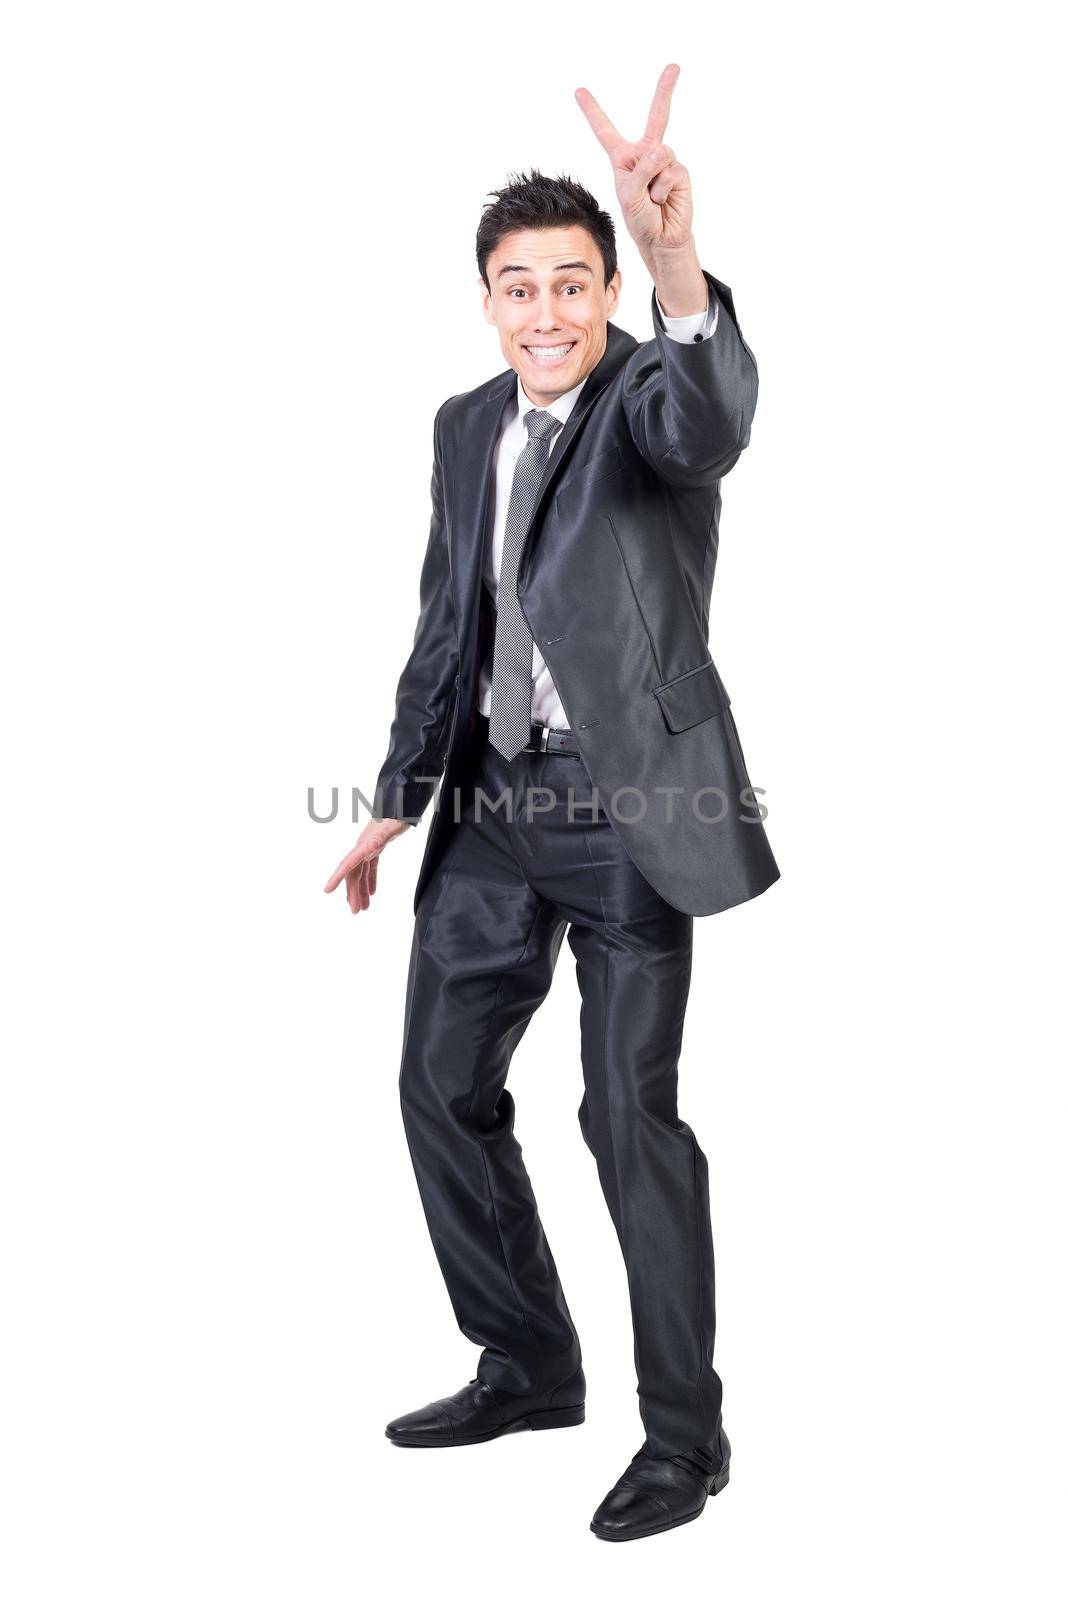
x: 692, y: 329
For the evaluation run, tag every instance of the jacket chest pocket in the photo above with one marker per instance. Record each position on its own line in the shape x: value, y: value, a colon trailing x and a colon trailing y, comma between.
x: 692, y: 697
x: 603, y: 465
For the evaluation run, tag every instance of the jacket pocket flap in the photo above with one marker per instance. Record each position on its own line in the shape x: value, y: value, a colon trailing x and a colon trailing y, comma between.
x: 693, y: 697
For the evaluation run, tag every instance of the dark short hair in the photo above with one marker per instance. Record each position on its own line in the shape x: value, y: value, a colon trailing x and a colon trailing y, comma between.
x: 536, y: 201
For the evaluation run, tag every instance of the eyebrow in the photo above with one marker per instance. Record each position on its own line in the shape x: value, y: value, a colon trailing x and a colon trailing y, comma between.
x: 561, y: 266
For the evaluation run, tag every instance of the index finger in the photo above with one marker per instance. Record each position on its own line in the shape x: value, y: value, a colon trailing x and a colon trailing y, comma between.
x: 658, y: 113
x: 608, y: 135
x: 343, y: 868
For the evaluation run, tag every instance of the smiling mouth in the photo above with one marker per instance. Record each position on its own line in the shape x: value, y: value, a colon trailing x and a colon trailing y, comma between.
x: 546, y: 355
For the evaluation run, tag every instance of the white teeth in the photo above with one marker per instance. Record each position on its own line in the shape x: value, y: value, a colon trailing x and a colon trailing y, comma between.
x: 550, y: 353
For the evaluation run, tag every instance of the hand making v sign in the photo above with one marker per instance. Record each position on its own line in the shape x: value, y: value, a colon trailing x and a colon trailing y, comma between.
x: 656, y: 199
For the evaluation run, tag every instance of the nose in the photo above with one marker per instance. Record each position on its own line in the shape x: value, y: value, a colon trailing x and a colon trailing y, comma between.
x: 546, y: 321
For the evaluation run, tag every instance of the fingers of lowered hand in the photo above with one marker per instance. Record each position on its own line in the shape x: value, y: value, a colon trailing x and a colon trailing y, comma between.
x: 355, y: 888
x: 368, y: 847
x: 343, y: 868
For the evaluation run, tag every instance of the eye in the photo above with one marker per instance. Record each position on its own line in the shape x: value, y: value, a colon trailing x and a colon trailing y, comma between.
x: 516, y: 291
x: 576, y: 286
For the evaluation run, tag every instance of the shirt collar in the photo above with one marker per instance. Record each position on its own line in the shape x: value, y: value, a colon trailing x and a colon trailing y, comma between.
x: 561, y: 408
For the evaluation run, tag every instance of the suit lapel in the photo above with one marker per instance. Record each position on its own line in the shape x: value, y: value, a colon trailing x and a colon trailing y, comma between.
x: 473, y: 470
x: 471, y: 478
x: 616, y: 351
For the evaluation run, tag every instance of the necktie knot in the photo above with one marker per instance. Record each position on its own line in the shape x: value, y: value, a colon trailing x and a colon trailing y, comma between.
x: 541, y: 424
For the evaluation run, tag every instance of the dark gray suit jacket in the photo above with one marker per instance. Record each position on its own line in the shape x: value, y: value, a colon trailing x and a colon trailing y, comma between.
x: 615, y: 584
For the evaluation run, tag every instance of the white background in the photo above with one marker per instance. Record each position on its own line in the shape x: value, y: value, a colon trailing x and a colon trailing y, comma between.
x: 239, y: 280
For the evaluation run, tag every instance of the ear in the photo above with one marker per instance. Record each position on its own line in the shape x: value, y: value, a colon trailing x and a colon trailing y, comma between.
x: 487, y: 304
x: 612, y: 290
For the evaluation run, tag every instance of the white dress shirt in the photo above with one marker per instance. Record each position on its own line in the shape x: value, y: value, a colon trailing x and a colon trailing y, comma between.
x: 545, y: 705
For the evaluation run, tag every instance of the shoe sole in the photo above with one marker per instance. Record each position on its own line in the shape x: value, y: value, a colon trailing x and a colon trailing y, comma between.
x: 717, y: 1484
x: 533, y: 1422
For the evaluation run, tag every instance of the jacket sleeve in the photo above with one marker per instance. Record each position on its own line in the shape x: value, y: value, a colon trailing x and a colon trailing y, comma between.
x: 690, y: 407
x: 429, y: 680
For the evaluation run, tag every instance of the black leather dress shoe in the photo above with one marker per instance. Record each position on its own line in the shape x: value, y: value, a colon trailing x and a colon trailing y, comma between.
x: 660, y: 1492
x: 477, y: 1412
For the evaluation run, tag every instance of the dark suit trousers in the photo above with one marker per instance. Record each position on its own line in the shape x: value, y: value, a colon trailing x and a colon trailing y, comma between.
x: 488, y: 930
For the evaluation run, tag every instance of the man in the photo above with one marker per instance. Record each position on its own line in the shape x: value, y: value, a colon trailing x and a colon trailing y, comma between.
x: 594, y: 784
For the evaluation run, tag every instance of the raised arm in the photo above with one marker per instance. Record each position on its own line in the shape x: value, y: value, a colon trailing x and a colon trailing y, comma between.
x: 689, y: 405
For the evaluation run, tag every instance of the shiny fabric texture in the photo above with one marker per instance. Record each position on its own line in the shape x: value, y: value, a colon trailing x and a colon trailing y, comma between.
x: 615, y: 582
x: 488, y: 932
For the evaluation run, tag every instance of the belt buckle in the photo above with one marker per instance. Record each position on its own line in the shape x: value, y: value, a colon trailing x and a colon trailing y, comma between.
x: 543, y: 742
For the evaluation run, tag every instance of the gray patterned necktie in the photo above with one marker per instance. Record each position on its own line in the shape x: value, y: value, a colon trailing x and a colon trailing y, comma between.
x: 513, y: 650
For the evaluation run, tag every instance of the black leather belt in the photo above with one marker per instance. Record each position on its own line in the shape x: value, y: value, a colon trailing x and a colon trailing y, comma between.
x: 546, y: 741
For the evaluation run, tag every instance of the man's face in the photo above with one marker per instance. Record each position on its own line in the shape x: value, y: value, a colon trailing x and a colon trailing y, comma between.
x: 549, y: 303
